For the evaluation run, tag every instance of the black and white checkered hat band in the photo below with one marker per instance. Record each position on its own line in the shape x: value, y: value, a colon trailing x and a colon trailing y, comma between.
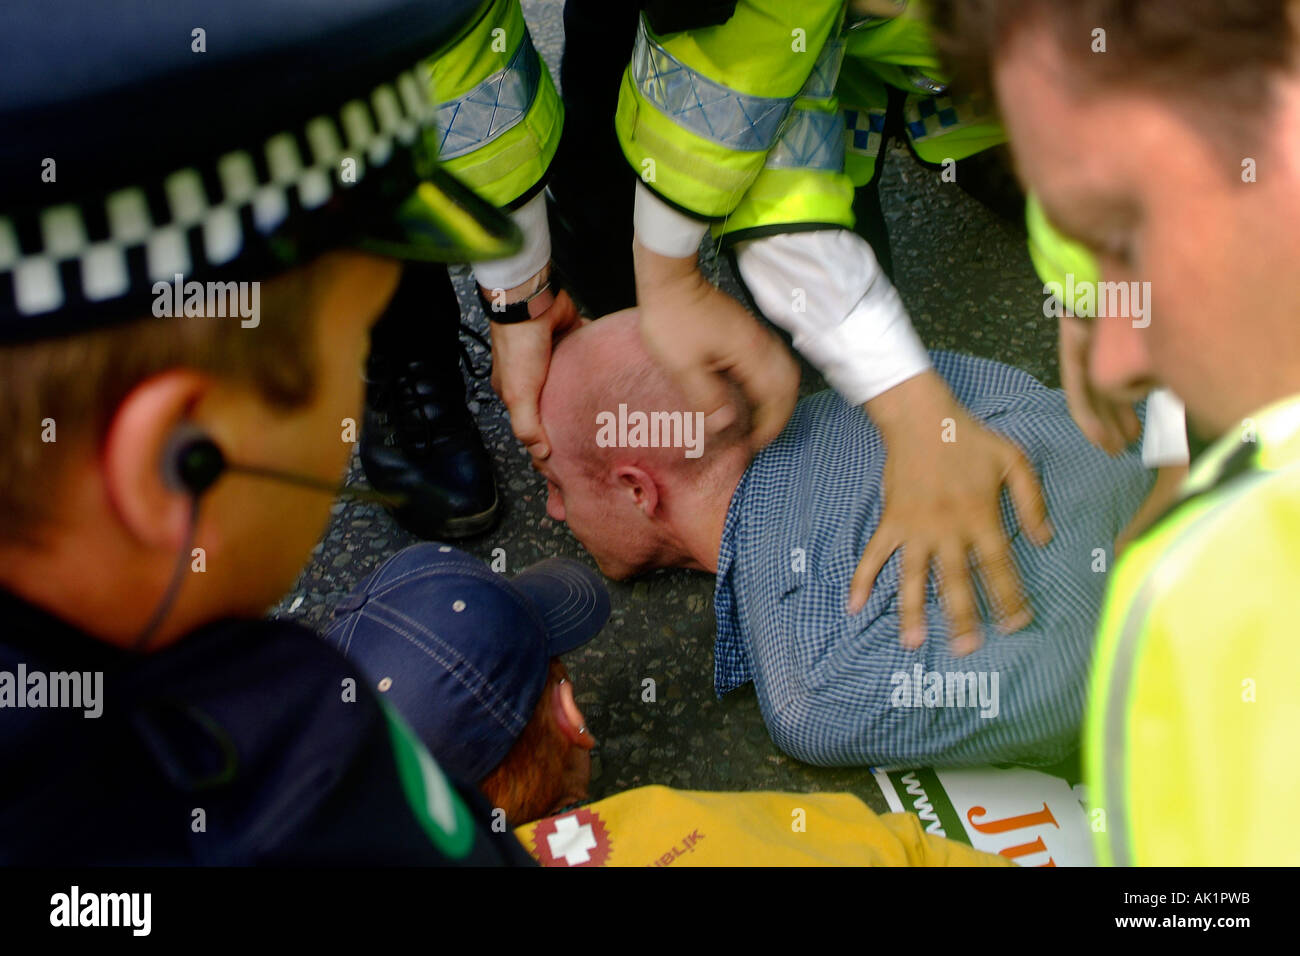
x: 142, y: 234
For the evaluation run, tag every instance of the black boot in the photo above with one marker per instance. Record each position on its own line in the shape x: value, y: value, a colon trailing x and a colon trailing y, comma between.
x: 419, y: 440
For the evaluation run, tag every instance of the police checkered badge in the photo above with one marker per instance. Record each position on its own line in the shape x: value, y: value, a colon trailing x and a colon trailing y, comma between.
x: 263, y: 160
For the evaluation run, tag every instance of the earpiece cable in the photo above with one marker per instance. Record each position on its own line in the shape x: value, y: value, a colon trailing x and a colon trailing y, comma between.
x: 396, y: 500
x: 182, y: 559
x: 169, y: 597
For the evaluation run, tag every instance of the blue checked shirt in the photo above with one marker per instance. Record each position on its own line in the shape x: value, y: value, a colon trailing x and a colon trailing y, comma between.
x: 828, y: 684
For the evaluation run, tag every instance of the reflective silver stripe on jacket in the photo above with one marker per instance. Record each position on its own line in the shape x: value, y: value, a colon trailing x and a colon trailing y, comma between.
x: 812, y: 139
x: 492, y: 107
x: 701, y: 106
x: 923, y: 82
x: 821, y: 82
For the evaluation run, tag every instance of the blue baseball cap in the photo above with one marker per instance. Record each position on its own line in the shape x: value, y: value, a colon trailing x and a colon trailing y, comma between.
x: 461, y: 652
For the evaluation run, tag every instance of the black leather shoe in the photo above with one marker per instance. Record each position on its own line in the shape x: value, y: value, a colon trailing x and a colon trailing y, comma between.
x: 420, y: 442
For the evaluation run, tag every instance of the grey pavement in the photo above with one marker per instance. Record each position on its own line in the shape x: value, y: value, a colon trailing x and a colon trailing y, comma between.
x: 966, y: 279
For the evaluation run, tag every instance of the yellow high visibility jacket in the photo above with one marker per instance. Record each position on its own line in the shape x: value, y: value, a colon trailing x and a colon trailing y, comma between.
x: 898, y: 52
x: 499, y: 115
x: 748, y: 123
x: 1191, y: 732
x: 1057, y: 258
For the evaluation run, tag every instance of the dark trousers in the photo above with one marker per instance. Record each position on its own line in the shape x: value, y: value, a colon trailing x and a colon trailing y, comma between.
x: 422, y: 323
x: 590, y: 179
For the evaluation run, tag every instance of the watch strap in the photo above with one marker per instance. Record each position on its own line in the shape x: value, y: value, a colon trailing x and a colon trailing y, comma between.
x: 529, y: 307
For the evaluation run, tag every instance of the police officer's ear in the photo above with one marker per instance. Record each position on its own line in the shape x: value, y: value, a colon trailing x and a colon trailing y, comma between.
x: 132, y: 462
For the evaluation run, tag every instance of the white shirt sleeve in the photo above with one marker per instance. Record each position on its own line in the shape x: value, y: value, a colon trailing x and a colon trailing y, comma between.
x: 529, y: 260
x: 827, y: 290
x: 662, y: 229
x: 1164, y: 435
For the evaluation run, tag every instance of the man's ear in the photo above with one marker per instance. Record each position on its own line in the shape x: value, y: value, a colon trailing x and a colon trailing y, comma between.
x: 131, y: 459
x: 642, y: 488
x: 569, y: 719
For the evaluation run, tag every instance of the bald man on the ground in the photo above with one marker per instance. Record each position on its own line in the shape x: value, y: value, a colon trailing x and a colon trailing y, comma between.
x: 783, y: 530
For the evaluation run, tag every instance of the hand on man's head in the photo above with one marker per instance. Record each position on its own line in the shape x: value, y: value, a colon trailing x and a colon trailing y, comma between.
x: 521, y: 359
x: 707, y: 341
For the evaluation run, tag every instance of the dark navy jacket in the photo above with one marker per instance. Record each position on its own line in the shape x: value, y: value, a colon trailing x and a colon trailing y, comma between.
x: 244, y: 720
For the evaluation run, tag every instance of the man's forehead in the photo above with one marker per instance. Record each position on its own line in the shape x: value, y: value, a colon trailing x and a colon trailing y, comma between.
x: 1066, y: 145
x: 1033, y: 96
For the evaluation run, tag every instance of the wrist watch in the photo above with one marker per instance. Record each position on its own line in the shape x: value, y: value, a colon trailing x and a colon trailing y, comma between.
x: 530, y: 306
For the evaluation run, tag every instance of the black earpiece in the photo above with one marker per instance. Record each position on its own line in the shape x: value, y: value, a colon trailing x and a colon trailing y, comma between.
x: 193, y: 461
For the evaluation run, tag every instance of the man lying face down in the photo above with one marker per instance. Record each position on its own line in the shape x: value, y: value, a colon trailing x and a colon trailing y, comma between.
x: 783, y: 532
